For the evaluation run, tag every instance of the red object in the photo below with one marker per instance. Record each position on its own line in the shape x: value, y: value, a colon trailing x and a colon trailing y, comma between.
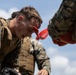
x: 35, y: 30
x: 42, y: 35
x: 64, y: 39
x: 67, y: 38
x: 60, y: 43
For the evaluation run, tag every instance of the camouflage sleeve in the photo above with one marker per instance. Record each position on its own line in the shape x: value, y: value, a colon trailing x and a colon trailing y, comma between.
x: 63, y: 20
x: 43, y: 61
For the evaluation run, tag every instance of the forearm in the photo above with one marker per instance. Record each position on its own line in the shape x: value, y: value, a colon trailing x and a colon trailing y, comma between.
x: 47, y: 67
x: 43, y: 61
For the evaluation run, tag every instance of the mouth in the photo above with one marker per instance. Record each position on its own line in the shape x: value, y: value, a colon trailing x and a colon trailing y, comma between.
x: 23, y: 36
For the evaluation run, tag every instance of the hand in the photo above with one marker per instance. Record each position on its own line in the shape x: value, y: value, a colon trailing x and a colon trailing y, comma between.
x: 43, y: 72
x: 18, y: 72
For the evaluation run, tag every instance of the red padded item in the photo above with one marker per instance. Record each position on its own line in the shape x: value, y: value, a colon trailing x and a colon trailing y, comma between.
x: 42, y: 35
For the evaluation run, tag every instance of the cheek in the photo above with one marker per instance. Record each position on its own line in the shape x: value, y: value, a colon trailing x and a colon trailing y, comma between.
x: 19, y: 30
x: 22, y: 28
x: 18, y: 27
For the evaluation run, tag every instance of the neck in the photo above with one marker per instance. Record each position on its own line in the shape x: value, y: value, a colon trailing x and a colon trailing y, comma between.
x: 12, y: 26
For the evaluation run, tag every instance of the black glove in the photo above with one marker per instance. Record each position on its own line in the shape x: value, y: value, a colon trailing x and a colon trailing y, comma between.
x: 8, y: 71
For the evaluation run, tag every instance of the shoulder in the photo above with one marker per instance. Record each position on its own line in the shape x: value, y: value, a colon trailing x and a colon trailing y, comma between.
x: 2, y: 19
x: 35, y: 42
x: 2, y: 22
x: 5, y: 31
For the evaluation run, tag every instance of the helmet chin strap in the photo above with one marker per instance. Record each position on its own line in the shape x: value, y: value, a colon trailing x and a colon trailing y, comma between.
x: 42, y: 35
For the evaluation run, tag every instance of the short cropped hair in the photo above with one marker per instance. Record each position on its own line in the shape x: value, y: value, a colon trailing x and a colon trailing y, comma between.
x: 29, y: 12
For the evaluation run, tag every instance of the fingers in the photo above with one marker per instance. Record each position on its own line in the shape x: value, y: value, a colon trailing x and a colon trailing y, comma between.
x: 18, y: 72
x: 43, y: 72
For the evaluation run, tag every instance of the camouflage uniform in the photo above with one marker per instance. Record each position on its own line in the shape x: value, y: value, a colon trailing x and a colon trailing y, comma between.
x: 7, y: 41
x: 26, y: 58
x: 64, y: 20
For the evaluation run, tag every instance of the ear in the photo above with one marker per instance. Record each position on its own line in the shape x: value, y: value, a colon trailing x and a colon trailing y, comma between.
x: 20, y: 18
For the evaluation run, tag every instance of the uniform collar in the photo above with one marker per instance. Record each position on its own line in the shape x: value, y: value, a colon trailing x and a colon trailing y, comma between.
x: 10, y: 36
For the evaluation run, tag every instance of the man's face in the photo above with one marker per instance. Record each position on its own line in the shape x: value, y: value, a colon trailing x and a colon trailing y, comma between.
x: 26, y: 28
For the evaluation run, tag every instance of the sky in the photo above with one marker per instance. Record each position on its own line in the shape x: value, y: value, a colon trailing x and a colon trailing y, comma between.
x: 63, y: 59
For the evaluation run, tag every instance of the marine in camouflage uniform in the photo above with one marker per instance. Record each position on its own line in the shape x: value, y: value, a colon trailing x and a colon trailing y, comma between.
x: 31, y: 51
x: 8, y: 42
x: 64, y: 21
x: 27, y: 21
